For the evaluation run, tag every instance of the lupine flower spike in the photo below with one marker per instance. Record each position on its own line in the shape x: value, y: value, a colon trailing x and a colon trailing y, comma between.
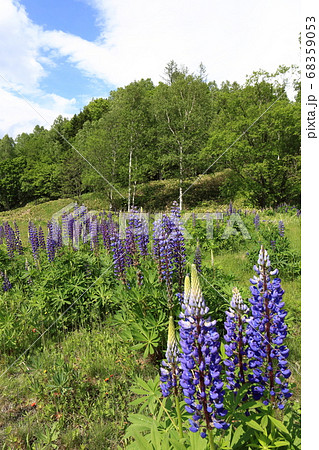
x: 198, y: 259
x: 200, y: 362
x: 281, y: 228
x: 236, y: 342
x: 169, y: 371
x: 266, y: 333
x: 6, y: 285
x: 257, y: 221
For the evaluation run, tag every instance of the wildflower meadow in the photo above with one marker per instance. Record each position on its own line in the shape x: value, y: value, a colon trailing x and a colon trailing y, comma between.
x: 151, y: 331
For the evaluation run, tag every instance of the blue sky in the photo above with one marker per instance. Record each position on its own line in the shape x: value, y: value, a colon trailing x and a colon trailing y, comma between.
x: 55, y: 55
x: 71, y: 16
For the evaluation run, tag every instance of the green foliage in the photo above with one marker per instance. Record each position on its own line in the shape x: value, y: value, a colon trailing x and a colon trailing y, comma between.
x: 73, y: 394
x: 10, y: 182
x: 279, y: 248
x: 244, y: 138
x: 253, y: 425
x: 90, y: 337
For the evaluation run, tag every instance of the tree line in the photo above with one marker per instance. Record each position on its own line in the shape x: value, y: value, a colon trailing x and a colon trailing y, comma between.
x: 181, y: 128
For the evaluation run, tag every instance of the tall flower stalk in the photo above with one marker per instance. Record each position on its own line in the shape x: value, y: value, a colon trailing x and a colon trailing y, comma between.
x: 281, y: 228
x: 200, y: 362
x: 266, y: 333
x: 170, y: 372
x: 10, y: 239
x: 236, y: 342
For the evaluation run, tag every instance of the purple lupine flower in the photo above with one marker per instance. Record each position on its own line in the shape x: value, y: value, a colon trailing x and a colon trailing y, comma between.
x: 70, y: 224
x: 6, y: 285
x: 50, y: 248
x: 178, y: 244
x: 273, y: 245
x: 169, y: 248
x: 266, y: 333
x: 198, y: 259
x: 94, y: 239
x: 163, y: 252
x: 170, y: 369
x: 107, y: 228
x: 10, y: 239
x: 136, y: 237
x: 119, y: 256
x: 257, y: 221
x: 41, y: 238
x: 1, y: 234
x: 34, y: 240
x: 281, y: 228
x: 200, y: 361
x: 236, y: 342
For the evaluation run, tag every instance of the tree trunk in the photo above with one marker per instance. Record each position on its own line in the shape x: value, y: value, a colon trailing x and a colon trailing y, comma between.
x: 129, y: 180
x: 180, y: 177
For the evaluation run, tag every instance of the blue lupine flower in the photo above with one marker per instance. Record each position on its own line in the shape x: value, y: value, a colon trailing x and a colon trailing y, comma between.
x: 41, y: 238
x: 169, y: 246
x: 50, y: 248
x: 107, y: 228
x: 34, y: 240
x: 94, y: 239
x: 119, y: 255
x: 163, y: 251
x: 281, y: 228
x: 178, y: 243
x: 266, y: 333
x: 200, y: 360
x: 1, y: 234
x: 257, y: 221
x: 136, y: 239
x: 236, y: 341
x: 10, y: 239
x: 6, y: 285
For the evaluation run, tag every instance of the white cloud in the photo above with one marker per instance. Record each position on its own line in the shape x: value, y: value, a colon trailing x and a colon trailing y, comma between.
x: 20, y: 116
x: 22, y: 67
x: 19, y: 49
x: 231, y: 38
x: 137, y: 40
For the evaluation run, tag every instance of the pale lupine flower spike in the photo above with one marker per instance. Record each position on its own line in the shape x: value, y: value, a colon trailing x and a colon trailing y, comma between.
x: 236, y: 342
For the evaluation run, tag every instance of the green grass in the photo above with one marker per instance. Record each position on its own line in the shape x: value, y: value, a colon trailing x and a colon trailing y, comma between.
x: 73, y: 393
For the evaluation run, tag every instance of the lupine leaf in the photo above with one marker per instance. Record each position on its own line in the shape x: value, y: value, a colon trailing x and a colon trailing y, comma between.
x: 140, y: 419
x: 197, y: 442
x: 264, y: 421
x: 280, y: 444
x: 253, y: 424
x: 141, y: 441
x: 236, y: 436
x: 156, y: 436
x: 279, y: 425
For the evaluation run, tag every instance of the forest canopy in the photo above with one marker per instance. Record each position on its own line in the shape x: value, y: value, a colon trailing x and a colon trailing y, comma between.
x: 245, y: 139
